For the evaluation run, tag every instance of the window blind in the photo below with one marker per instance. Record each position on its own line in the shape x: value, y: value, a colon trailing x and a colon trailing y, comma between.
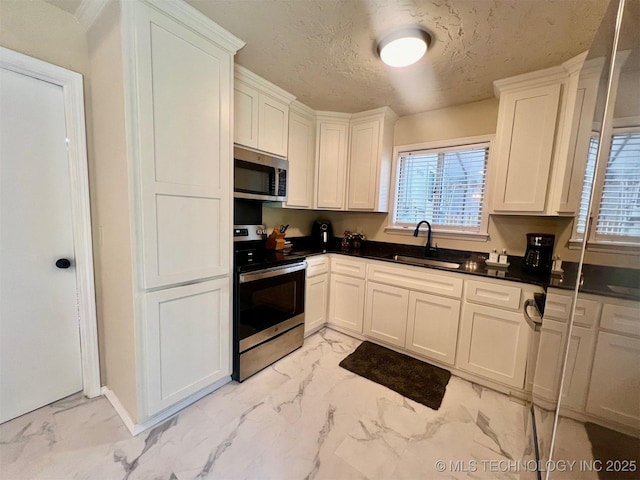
x: 586, y: 186
x: 619, y: 213
x: 445, y: 187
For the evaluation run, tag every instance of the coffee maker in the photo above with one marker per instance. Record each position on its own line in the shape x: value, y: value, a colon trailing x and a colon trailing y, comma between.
x: 321, y: 233
x: 539, y: 255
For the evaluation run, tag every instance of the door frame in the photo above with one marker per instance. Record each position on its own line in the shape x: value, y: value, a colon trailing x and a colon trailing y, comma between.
x: 72, y: 88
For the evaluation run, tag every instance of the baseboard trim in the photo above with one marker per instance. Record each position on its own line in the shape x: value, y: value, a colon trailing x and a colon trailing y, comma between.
x: 137, y: 428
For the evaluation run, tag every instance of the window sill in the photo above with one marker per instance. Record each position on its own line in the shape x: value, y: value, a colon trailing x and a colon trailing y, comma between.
x: 606, y: 247
x: 452, y: 235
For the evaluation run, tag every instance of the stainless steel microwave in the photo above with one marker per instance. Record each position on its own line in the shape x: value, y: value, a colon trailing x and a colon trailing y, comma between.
x: 258, y: 176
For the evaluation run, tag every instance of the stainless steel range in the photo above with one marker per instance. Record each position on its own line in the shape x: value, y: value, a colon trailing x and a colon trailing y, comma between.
x: 268, y: 314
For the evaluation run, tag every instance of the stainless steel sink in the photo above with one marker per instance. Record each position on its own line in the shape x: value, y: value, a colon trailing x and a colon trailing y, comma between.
x: 430, y: 262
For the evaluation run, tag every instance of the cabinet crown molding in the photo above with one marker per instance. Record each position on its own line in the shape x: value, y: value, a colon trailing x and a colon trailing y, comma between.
x: 376, y: 113
x: 324, y: 115
x: 245, y: 75
x: 302, y: 109
x: 531, y: 79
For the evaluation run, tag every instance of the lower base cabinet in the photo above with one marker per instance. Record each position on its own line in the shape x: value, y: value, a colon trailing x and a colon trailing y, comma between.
x: 186, y: 335
x: 385, y: 313
x: 432, y: 326
x: 549, y: 363
x: 316, y: 301
x: 493, y: 343
x: 614, y: 392
x: 346, y: 304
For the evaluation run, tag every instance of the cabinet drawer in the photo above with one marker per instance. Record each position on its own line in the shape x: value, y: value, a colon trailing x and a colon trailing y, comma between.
x: 559, y: 307
x: 416, y: 278
x: 317, y: 265
x: 503, y: 296
x: 348, y: 266
x: 623, y: 319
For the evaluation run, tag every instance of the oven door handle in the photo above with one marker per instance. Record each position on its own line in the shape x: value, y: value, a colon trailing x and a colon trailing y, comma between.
x: 272, y: 272
x: 534, y: 324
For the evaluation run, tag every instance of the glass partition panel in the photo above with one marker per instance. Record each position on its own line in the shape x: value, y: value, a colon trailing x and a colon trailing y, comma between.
x: 596, y: 425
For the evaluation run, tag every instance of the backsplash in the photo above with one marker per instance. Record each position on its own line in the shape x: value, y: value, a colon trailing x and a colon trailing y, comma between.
x: 505, y: 231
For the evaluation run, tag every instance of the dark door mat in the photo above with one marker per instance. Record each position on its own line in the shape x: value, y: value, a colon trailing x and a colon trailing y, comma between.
x: 411, y: 378
x: 616, y: 451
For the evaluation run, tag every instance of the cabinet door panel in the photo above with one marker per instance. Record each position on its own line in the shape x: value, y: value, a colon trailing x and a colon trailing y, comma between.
x: 524, y: 146
x: 614, y: 392
x: 186, y: 334
x: 332, y: 164
x: 493, y: 344
x: 301, y: 160
x: 184, y: 150
x: 245, y: 120
x: 550, y: 358
x: 386, y: 313
x: 346, y: 304
x: 432, y: 326
x: 273, y: 125
x: 316, y: 299
x: 363, y: 165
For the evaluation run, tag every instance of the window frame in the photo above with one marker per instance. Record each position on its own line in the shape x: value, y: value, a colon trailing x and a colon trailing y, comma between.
x: 482, y: 235
x: 595, y: 242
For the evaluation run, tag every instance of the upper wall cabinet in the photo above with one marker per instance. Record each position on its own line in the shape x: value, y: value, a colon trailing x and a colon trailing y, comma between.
x: 539, y: 157
x: 261, y: 110
x: 332, y: 142
x: 301, y: 155
x: 353, y: 160
x: 370, y: 160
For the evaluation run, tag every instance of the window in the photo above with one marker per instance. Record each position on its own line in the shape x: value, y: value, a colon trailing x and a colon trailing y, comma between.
x: 445, y: 186
x: 617, y: 207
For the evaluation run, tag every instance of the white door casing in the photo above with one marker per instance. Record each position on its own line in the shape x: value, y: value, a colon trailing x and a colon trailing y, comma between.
x: 71, y: 120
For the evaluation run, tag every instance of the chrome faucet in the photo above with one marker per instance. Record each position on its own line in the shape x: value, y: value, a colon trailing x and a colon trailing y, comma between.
x: 427, y: 247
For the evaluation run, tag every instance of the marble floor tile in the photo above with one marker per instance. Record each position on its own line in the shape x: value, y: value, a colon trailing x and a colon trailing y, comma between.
x: 302, y: 418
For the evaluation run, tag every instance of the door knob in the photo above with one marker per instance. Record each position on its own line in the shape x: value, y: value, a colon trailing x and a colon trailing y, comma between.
x: 63, y: 263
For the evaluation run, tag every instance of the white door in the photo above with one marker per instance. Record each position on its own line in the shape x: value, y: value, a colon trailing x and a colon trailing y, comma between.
x: 39, y: 335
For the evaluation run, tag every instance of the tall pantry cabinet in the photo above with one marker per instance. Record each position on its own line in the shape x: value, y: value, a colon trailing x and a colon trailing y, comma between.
x: 161, y: 100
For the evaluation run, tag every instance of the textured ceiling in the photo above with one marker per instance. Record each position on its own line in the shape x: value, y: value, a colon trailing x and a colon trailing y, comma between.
x: 323, y: 51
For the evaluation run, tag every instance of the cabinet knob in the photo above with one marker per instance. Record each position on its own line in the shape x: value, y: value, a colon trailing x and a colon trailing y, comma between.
x: 63, y: 263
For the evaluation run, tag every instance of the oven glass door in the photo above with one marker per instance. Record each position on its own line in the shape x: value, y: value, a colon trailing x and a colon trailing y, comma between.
x: 264, y: 303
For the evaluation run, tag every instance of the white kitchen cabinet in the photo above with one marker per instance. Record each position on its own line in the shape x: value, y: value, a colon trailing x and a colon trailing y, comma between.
x: 261, y: 109
x: 385, y: 313
x: 432, y: 326
x: 164, y: 77
x: 187, y: 341
x: 370, y: 151
x: 614, y: 392
x: 316, y: 293
x: 245, y: 120
x: 524, y: 145
x: 493, y: 343
x: 550, y: 359
x: 331, y: 160
x: 346, y: 304
x: 185, y: 171
x: 316, y: 301
x: 542, y: 120
x: 301, y: 156
x: 353, y: 160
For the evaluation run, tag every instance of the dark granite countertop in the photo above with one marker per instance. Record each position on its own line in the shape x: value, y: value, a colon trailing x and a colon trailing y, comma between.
x: 596, y: 279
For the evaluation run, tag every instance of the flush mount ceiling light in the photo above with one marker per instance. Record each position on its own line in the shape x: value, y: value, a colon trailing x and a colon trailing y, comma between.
x: 403, y: 47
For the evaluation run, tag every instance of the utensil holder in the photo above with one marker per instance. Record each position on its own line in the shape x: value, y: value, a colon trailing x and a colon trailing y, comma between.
x: 275, y: 241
